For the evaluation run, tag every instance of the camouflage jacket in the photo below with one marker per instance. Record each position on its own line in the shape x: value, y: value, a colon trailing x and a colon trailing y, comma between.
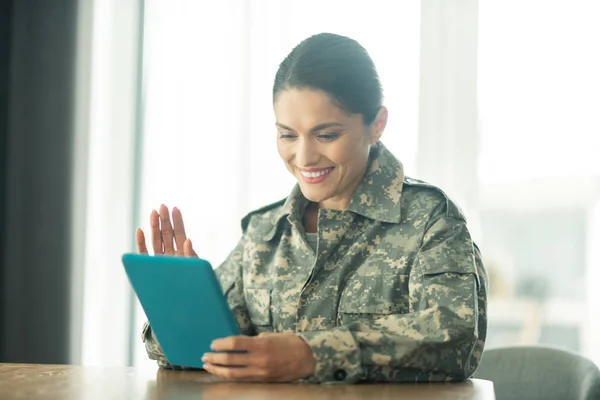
x: 395, y: 291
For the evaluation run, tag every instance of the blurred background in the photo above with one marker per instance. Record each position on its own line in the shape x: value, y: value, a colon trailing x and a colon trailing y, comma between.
x: 109, y: 108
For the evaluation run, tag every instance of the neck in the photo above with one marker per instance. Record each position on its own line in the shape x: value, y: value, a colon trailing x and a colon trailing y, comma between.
x: 310, y: 219
x: 342, y: 201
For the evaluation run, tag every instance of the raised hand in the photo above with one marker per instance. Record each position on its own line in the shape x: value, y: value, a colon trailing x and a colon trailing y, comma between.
x: 167, y: 238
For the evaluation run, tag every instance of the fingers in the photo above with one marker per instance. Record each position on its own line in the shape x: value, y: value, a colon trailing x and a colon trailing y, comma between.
x: 166, y: 230
x: 228, y: 359
x: 238, y: 374
x: 279, y: 357
x: 179, y: 230
x: 164, y: 237
x: 140, y: 240
x: 157, y: 245
x: 231, y: 343
x: 236, y: 366
x: 188, y: 250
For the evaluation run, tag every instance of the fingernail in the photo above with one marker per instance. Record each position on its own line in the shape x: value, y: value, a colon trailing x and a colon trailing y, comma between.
x: 212, y: 346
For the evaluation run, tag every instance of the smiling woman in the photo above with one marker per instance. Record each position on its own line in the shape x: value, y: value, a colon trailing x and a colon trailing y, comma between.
x: 327, y: 158
x: 393, y: 287
x: 327, y: 89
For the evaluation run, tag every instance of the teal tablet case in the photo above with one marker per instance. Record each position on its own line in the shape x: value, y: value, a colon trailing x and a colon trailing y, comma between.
x: 183, y: 302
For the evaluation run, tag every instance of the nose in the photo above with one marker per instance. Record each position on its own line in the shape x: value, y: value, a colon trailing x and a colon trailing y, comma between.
x: 307, y: 153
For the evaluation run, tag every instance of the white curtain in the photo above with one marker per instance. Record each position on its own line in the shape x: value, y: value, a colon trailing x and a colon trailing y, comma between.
x: 105, y: 195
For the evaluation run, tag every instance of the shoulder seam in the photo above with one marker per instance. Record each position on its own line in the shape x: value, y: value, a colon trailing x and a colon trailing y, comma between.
x: 246, y: 220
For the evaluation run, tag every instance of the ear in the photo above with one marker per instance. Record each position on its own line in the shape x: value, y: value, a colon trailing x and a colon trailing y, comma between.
x: 378, y: 125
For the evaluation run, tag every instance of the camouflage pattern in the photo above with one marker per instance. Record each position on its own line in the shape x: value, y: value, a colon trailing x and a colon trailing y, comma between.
x: 396, y: 290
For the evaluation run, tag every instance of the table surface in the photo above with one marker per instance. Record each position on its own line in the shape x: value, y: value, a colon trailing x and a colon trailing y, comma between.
x: 37, y: 381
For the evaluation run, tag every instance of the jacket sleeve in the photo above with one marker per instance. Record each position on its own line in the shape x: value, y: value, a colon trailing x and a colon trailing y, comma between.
x: 229, y: 275
x: 440, y: 338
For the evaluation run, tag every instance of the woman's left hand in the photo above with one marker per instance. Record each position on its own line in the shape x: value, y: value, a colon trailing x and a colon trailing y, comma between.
x: 269, y: 357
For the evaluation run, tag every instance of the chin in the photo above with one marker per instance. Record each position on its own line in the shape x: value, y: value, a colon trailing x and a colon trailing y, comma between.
x: 312, y: 195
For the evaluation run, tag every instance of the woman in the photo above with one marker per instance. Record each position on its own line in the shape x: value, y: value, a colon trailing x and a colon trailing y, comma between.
x: 361, y: 273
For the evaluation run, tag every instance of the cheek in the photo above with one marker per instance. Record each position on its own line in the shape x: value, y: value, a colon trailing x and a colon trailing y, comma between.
x: 349, y: 156
x: 286, y: 154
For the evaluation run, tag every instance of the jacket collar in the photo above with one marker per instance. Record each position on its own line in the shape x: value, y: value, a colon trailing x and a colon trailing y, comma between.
x: 377, y: 196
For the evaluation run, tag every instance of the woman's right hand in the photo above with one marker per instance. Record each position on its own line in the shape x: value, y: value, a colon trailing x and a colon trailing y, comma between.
x: 166, y: 238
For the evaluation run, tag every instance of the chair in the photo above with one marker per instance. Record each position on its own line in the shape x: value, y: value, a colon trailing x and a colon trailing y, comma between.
x: 535, y: 372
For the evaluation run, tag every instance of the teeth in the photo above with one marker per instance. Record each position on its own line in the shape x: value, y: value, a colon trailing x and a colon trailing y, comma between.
x: 316, y: 174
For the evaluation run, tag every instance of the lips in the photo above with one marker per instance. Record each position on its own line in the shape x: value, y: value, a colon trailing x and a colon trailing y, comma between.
x: 315, y: 175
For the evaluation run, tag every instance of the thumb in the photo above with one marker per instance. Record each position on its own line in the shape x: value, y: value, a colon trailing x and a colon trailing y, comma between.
x: 188, y: 250
x: 140, y: 240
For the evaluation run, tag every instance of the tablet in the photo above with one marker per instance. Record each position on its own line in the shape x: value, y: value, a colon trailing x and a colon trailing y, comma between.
x: 183, y: 302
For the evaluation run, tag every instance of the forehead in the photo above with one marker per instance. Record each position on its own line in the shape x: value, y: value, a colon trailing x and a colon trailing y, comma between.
x: 301, y: 109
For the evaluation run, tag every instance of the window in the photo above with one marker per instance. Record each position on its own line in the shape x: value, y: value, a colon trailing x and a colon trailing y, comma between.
x: 209, y: 136
x: 528, y: 177
x: 539, y: 172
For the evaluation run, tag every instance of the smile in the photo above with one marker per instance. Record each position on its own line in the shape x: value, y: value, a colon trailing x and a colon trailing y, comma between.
x: 316, y: 175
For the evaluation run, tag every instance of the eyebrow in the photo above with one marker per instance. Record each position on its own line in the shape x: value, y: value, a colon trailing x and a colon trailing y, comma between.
x: 314, y: 128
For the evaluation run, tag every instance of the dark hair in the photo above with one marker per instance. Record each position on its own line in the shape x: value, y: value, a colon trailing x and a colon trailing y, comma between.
x: 338, y: 66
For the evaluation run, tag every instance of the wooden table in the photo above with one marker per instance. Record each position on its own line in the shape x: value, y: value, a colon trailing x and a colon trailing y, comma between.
x: 36, y: 382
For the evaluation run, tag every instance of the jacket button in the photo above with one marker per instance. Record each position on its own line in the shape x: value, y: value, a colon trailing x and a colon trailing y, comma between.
x: 339, y: 375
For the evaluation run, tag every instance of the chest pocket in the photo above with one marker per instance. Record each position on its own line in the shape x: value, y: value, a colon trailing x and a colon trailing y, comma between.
x: 368, y: 298
x: 258, y: 303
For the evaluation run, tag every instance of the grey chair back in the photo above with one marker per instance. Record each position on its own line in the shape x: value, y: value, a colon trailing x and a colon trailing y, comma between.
x: 535, y: 372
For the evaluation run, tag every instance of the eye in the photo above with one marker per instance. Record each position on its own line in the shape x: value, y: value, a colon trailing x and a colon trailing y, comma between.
x: 328, y: 137
x: 286, y: 136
